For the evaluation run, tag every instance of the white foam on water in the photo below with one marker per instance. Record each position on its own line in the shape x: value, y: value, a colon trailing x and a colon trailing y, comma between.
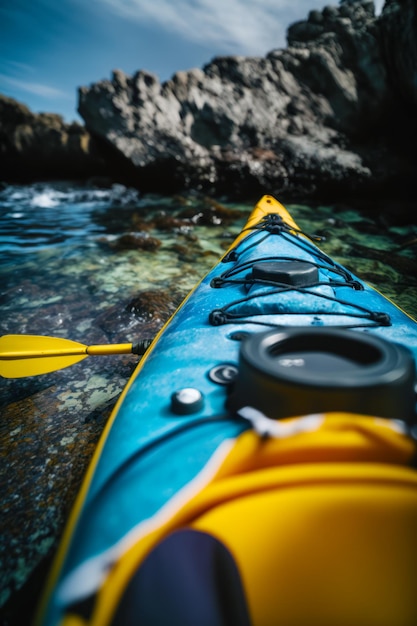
x: 45, y: 200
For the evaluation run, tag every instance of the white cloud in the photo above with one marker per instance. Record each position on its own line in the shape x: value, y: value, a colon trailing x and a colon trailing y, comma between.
x: 240, y: 26
x: 249, y: 27
x: 17, y: 66
x: 38, y: 89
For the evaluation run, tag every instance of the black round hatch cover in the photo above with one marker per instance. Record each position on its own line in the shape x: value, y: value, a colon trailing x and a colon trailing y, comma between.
x: 297, y: 273
x: 299, y: 371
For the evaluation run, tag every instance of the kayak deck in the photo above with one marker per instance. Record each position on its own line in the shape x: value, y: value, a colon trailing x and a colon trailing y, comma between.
x: 172, y: 418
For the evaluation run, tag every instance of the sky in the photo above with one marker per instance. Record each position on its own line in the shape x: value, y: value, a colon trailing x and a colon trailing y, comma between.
x: 49, y: 48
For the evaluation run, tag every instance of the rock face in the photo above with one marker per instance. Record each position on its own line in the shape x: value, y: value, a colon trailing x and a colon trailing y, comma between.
x: 332, y: 114
x: 36, y: 146
x: 398, y: 25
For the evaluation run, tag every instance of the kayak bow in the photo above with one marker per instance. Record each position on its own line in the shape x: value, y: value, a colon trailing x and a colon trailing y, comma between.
x: 258, y: 468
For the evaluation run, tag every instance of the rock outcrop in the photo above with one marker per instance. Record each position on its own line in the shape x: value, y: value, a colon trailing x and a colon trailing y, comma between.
x: 41, y: 146
x: 332, y: 114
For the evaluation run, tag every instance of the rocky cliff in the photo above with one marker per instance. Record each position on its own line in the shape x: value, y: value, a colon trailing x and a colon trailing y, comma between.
x: 41, y: 146
x: 331, y: 114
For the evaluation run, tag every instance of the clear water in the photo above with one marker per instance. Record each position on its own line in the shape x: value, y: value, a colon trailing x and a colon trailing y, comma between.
x: 101, y: 246
x: 102, y: 241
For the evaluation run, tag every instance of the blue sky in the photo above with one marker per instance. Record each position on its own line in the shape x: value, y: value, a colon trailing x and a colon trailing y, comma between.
x: 48, y: 48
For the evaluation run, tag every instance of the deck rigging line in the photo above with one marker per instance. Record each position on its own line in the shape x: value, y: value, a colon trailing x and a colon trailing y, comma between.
x: 239, y: 274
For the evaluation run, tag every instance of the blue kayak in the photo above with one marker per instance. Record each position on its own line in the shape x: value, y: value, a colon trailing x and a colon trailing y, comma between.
x: 259, y: 467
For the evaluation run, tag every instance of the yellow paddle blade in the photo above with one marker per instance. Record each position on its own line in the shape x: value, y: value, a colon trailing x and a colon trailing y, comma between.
x: 31, y: 355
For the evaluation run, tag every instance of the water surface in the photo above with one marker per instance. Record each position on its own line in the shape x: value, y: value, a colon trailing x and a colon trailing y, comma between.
x: 63, y: 243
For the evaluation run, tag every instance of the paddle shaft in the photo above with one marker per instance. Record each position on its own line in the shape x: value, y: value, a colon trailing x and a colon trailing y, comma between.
x: 119, y: 348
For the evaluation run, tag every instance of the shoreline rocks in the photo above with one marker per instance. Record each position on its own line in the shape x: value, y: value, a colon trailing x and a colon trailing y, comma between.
x: 42, y: 146
x: 329, y: 117
x: 321, y: 118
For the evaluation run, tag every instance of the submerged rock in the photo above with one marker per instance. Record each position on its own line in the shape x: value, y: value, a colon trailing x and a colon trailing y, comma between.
x: 331, y: 114
x: 153, y: 304
x: 136, y: 241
